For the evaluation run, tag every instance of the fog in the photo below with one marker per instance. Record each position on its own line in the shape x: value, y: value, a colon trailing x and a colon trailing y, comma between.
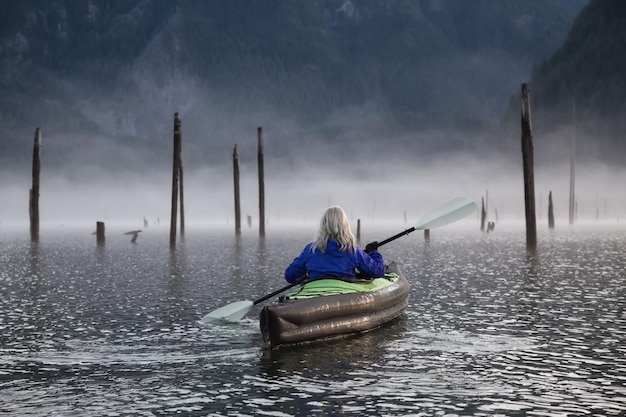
x: 376, y: 182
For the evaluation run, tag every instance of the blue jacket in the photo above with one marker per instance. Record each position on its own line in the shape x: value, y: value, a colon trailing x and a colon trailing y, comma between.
x: 334, y: 263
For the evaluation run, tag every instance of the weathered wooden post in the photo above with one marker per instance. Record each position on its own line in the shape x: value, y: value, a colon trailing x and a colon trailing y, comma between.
x: 483, y: 215
x: 572, y: 173
x: 237, y: 197
x: 33, y: 206
x: 175, y: 180
x: 100, y: 233
x: 486, y: 205
x: 426, y: 234
x: 261, y: 183
x: 358, y: 230
x: 180, y: 180
x: 529, y: 175
x: 550, y: 212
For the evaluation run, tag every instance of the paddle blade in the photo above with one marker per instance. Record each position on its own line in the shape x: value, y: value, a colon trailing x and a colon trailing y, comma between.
x: 232, y: 312
x: 447, y: 213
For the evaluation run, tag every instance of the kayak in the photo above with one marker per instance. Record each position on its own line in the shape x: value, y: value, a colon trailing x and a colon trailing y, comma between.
x: 330, y: 307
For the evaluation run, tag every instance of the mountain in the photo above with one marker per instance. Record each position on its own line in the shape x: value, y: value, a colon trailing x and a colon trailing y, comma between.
x: 584, y: 82
x: 117, y: 70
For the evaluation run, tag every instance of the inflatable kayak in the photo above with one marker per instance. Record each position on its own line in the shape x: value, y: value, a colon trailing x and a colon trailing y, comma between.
x: 327, y: 308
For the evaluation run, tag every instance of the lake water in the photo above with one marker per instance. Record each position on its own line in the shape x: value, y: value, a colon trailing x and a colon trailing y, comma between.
x: 490, y: 330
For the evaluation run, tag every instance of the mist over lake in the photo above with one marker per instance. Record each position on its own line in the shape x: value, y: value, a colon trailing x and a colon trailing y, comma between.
x: 387, y: 189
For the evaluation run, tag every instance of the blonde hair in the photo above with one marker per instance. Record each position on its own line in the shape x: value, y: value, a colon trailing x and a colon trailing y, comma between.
x: 335, y: 225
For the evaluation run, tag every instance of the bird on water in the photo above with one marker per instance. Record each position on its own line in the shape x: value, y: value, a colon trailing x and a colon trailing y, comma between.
x: 135, y: 234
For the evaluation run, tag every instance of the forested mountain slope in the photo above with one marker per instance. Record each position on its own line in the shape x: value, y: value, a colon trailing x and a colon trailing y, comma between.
x: 120, y: 69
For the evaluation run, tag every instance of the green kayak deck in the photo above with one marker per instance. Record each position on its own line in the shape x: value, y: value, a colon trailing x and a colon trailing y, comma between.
x: 325, y: 287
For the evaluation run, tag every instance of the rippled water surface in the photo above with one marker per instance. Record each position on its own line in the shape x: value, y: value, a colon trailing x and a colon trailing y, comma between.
x: 491, y: 329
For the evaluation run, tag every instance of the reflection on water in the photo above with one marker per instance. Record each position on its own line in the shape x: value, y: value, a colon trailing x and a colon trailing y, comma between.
x: 491, y: 329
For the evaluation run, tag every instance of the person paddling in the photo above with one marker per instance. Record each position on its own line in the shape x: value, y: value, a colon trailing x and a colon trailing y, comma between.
x: 334, y: 253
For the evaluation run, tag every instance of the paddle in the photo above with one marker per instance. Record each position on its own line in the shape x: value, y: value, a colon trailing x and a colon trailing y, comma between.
x: 445, y: 214
x: 235, y: 311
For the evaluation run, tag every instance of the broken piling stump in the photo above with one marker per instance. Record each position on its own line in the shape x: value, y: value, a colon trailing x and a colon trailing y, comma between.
x: 100, y: 233
x: 34, y: 191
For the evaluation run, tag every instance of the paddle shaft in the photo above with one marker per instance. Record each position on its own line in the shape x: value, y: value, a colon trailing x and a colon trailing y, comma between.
x: 399, y: 235
x: 450, y: 212
x: 265, y: 297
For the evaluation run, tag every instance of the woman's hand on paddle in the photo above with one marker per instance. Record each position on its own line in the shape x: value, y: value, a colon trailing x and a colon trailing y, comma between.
x: 301, y: 279
x: 372, y: 246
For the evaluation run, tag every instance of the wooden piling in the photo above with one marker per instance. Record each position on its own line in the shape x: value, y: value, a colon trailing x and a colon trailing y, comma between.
x: 237, y: 196
x: 100, y: 233
x: 550, y: 212
x: 33, y: 205
x: 483, y: 215
x: 426, y: 234
x: 181, y: 193
x: 175, y: 180
x: 261, y: 183
x: 572, y: 173
x: 528, y: 163
x: 486, y: 204
x: 358, y: 230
